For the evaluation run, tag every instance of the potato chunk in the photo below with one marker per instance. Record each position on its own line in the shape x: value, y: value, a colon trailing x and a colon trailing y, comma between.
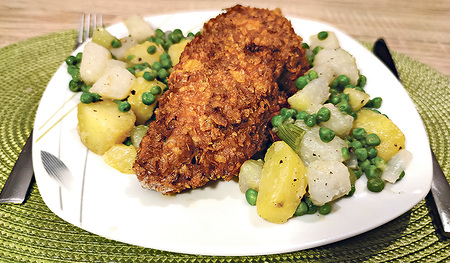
x: 314, y: 149
x: 327, y: 181
x: 357, y: 98
x: 102, y: 37
x: 101, y: 125
x: 176, y: 50
x: 115, y: 84
x: 331, y: 42
x: 138, y: 28
x: 250, y: 175
x: 121, y: 158
x: 314, y: 93
x: 143, y: 112
x: 93, y: 63
x: 138, y: 54
x: 339, y: 122
x: 392, y: 138
x: 120, y: 53
x: 340, y: 61
x: 282, y: 185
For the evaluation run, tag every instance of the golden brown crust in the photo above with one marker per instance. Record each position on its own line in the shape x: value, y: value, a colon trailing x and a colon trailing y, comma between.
x: 221, y: 98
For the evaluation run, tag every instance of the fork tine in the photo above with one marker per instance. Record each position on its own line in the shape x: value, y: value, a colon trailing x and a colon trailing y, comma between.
x: 100, y: 20
x: 87, y: 26
x: 80, y: 32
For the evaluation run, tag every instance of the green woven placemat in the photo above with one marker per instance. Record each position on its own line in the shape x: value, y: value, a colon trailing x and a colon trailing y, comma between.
x: 32, y: 233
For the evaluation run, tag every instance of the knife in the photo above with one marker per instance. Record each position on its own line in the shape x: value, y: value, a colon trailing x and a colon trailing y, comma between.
x: 440, y: 188
x: 18, y: 182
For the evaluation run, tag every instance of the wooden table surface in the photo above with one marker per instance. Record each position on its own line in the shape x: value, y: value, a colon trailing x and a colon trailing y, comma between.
x: 417, y: 28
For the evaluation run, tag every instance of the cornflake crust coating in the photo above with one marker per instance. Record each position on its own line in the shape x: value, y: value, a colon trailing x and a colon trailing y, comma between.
x: 229, y: 83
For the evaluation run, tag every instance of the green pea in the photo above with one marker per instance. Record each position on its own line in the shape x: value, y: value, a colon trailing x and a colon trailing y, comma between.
x: 402, y: 174
x: 313, y: 74
x: 364, y: 164
x: 86, y: 97
x: 310, y: 120
x: 178, y: 32
x: 148, y: 98
x: 124, y: 106
x: 191, y: 35
x: 140, y: 66
x: 305, y: 45
x: 301, y: 115
x: 166, y: 63
x: 345, y: 153
x: 302, y: 208
x: 85, y: 87
x: 174, y: 37
x: 344, y: 97
x: 372, y: 171
x: 360, y: 89
x: 343, y: 80
x: 130, y: 57
x: 361, y: 154
x: 167, y: 45
x: 311, y: 207
x: 322, y: 35
x: 150, y: 75
x: 334, y: 84
x: 162, y: 73
x: 116, y: 43
x: 358, y: 172
x: 361, y: 81
x: 131, y: 70
x: 159, y: 33
x: 159, y: 41
x: 325, y: 209
x: 359, y: 133
x: 317, y: 49
x: 164, y: 56
x: 352, y: 190
x: 301, y: 82
x: 356, y: 145
x: 79, y: 56
x: 375, y: 184
x: 277, y: 120
x: 251, y: 195
x: 326, y: 135
x: 349, y: 86
x: 151, y: 50
x: 71, y: 60
x: 372, y: 152
x: 74, y: 86
x: 157, y: 66
x: 335, y: 100
x: 376, y: 102
x: 373, y: 139
x: 344, y: 107
x: 323, y: 114
x: 311, y: 59
x: 379, y: 162
x: 156, y: 90
x: 96, y: 97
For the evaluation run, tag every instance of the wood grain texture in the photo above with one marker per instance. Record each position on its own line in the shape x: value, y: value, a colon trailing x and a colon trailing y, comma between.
x: 417, y: 28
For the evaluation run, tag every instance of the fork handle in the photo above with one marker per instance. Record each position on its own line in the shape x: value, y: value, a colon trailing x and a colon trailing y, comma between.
x: 440, y: 189
x: 18, y: 182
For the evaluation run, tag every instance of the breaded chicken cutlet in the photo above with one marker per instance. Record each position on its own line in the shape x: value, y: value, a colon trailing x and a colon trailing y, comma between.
x: 229, y: 83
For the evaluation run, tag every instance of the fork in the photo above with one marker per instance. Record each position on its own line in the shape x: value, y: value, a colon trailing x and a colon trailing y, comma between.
x: 19, y: 180
x: 85, y: 30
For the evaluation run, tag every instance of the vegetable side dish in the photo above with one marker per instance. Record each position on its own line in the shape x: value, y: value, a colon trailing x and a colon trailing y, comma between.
x: 180, y: 111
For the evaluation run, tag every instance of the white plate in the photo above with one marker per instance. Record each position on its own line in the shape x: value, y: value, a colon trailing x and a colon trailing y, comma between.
x: 216, y: 220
